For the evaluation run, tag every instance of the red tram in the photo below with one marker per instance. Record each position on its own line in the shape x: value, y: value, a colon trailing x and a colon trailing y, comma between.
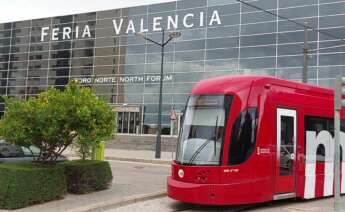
x: 249, y: 139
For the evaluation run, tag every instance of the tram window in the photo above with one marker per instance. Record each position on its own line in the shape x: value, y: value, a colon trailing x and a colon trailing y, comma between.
x: 318, y: 124
x: 341, y: 153
x: 320, y: 153
x: 243, y: 137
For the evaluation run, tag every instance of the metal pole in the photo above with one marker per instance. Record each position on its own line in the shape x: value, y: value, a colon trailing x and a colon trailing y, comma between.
x: 159, y: 126
x: 337, y: 108
x: 305, y: 55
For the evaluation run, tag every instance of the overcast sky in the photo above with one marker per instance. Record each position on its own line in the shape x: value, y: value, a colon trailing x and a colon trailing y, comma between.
x: 16, y: 10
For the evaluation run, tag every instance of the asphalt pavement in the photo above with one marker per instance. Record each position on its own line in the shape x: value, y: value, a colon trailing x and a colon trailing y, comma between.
x: 166, y: 204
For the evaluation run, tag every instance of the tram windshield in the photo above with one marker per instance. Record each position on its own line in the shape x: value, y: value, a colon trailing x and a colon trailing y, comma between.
x: 202, y: 131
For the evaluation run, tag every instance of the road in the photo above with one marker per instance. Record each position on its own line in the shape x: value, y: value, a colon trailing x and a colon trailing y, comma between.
x: 140, y: 175
x: 168, y: 205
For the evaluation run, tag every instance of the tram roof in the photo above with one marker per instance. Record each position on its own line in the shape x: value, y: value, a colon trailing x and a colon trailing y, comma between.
x: 235, y: 83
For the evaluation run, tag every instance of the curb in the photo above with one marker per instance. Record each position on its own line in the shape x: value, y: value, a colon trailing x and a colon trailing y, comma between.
x: 116, y: 203
x: 161, y: 162
x: 152, y: 161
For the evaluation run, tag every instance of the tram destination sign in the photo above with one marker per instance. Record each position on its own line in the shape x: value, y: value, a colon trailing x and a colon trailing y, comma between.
x: 131, y: 26
x: 132, y: 79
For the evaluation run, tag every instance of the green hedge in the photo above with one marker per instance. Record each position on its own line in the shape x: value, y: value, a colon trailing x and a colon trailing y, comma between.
x: 26, y: 183
x: 87, y: 176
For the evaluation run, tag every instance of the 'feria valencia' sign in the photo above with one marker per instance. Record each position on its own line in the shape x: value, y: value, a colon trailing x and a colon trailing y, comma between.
x: 121, y: 25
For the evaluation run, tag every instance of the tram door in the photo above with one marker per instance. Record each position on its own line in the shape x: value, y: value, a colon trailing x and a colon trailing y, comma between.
x: 286, y: 152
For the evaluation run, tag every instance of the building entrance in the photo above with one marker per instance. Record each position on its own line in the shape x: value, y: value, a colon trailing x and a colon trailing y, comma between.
x: 129, y: 119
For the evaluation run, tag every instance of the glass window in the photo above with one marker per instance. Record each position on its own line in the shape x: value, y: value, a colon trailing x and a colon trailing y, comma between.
x: 293, y: 37
x: 190, y: 55
x: 320, y: 153
x: 60, y: 54
x: 88, y: 61
x: 332, y: 59
x: 227, y: 66
x: 111, y: 60
x: 286, y: 145
x: 83, y: 43
x: 61, y: 45
x: 83, y: 52
x: 265, y: 4
x: 332, y: 9
x: 338, y: 32
x: 331, y: 21
x: 19, y: 40
x: 257, y: 17
x: 85, y: 17
x: 83, y: 71
x: 39, y: 47
x: 201, y: 137
x: 59, y: 63
x: 260, y: 51
x: 150, y: 68
x: 191, y: 4
x: 221, y: 31
x: 258, y: 40
x: 189, y: 77
x: 108, y: 41
x: 134, y: 11
x: 154, y: 8
x: 221, y: 53
x: 222, y: 43
x: 289, y: 26
x: 226, y: 9
x: 21, y: 32
x: 293, y: 49
x: 5, y: 41
x: 243, y: 137
x: 109, y: 14
x: 258, y: 28
x: 299, y: 12
x: 5, y: 26
x: 318, y: 124
x: 227, y: 20
x: 63, y: 19
x: 154, y: 48
x: 296, y: 3
x: 4, y: 58
x: 295, y: 61
x: 107, y: 51
x: 5, y: 34
x: 190, y: 45
x: 19, y: 57
x: 255, y: 63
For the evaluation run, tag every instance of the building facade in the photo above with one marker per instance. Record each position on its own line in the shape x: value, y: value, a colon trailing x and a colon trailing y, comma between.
x: 219, y: 37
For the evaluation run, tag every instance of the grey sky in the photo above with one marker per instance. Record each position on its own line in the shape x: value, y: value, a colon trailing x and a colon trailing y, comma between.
x: 16, y: 10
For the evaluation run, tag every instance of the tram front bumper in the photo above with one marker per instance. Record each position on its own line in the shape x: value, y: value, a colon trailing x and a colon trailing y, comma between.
x: 190, y: 192
x: 217, y: 194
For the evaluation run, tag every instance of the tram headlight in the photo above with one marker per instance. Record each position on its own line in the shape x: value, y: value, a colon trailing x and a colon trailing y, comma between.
x: 180, y: 173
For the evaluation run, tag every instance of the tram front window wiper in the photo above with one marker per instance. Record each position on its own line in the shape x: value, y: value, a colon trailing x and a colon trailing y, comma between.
x: 207, y: 141
x: 197, y: 152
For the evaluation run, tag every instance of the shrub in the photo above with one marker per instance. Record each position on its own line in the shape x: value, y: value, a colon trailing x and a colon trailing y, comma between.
x: 26, y: 183
x: 84, y: 176
x: 55, y: 119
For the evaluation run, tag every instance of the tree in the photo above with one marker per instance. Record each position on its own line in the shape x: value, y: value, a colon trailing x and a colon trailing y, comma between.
x: 55, y: 119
